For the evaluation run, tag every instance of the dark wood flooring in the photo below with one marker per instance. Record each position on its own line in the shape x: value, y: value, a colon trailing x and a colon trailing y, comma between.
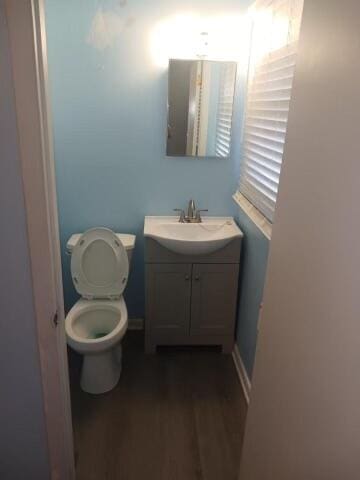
x: 175, y: 415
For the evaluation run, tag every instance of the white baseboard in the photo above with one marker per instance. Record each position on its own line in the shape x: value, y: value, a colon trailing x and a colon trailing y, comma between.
x: 136, y: 324
x: 243, y: 376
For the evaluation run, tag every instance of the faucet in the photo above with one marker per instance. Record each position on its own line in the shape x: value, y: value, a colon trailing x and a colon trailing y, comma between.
x: 191, y: 212
x: 193, y: 215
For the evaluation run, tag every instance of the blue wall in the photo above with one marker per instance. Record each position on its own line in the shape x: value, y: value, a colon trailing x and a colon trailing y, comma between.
x: 253, y: 269
x: 109, y: 116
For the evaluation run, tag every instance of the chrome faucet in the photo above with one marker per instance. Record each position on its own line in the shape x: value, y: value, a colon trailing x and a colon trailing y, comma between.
x: 191, y: 212
x: 193, y: 215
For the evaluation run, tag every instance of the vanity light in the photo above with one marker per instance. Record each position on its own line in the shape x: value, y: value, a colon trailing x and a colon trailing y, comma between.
x: 187, y: 37
x: 203, y: 49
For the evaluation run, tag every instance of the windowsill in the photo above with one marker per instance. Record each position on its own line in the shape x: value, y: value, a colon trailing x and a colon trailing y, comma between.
x: 254, y: 214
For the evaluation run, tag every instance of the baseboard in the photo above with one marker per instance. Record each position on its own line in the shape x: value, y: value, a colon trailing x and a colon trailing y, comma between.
x: 136, y: 324
x: 241, y: 371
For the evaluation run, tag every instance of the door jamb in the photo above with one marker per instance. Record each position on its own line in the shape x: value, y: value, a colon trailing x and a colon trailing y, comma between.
x: 40, y: 188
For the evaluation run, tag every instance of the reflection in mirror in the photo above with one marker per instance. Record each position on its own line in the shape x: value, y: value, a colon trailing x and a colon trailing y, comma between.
x: 200, y: 105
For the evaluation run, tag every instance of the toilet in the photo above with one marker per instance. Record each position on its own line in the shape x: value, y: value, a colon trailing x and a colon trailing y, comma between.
x: 97, y: 322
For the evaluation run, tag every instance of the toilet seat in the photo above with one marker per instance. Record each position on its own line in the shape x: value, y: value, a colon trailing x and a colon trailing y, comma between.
x: 99, y: 265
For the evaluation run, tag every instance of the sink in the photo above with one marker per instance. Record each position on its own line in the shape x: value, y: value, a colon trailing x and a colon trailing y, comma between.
x: 212, y: 234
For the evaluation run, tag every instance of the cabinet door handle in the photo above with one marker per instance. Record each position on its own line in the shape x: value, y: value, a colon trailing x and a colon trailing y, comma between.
x: 187, y: 277
x: 197, y: 277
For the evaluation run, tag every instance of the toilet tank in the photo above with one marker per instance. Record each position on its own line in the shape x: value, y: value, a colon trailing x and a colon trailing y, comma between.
x: 126, y: 239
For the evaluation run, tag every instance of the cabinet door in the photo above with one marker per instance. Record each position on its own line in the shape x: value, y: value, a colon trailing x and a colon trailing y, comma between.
x: 214, y: 294
x: 168, y: 298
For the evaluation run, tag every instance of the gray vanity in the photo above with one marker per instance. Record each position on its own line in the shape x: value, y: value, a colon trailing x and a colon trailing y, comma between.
x: 191, y: 282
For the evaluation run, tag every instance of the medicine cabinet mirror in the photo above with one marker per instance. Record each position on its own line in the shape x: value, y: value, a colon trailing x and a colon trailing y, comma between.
x: 200, y: 107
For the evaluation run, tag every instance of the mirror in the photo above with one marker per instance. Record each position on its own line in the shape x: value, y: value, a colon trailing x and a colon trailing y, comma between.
x: 200, y: 105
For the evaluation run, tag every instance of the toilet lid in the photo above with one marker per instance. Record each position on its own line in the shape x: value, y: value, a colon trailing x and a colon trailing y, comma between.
x: 99, y: 264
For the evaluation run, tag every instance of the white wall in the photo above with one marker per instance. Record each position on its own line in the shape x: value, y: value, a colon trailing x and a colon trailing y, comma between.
x: 304, y: 415
x: 23, y: 442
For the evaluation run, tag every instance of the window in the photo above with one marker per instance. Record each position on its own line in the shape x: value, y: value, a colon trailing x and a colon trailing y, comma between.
x: 271, y: 70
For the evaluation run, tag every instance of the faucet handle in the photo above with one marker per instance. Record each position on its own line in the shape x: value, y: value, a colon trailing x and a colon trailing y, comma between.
x: 182, y: 214
x: 198, y: 215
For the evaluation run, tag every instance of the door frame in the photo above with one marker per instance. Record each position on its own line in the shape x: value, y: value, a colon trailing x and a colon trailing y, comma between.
x: 27, y: 38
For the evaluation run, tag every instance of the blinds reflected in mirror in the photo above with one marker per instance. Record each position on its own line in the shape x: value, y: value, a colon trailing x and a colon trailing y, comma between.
x: 225, y: 110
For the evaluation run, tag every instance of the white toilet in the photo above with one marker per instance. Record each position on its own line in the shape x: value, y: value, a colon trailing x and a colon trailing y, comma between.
x: 98, y: 321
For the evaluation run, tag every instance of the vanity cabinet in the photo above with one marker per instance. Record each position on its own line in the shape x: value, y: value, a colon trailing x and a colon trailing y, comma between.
x: 213, y: 298
x: 169, y: 297
x: 191, y: 300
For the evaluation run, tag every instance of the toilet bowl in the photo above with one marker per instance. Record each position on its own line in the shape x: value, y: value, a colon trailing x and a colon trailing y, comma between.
x: 95, y: 329
x: 96, y: 324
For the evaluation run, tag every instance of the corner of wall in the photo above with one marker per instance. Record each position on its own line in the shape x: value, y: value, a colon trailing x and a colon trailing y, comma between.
x: 252, y: 278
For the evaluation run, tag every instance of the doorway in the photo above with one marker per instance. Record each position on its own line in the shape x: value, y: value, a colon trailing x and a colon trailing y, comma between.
x: 180, y: 412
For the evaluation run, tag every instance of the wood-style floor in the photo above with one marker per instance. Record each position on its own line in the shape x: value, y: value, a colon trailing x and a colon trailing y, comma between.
x: 176, y: 415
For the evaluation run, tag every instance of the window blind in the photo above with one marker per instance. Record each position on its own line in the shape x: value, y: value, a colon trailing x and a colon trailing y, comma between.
x: 268, y: 100
x: 224, y: 111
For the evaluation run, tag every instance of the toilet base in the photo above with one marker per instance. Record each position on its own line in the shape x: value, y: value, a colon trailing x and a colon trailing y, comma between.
x: 101, y: 372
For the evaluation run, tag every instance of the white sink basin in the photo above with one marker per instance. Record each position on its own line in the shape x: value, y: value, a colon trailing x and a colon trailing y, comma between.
x: 202, y: 238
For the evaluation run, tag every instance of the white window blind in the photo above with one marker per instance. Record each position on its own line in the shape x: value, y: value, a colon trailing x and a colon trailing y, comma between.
x: 272, y: 65
x: 225, y: 108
